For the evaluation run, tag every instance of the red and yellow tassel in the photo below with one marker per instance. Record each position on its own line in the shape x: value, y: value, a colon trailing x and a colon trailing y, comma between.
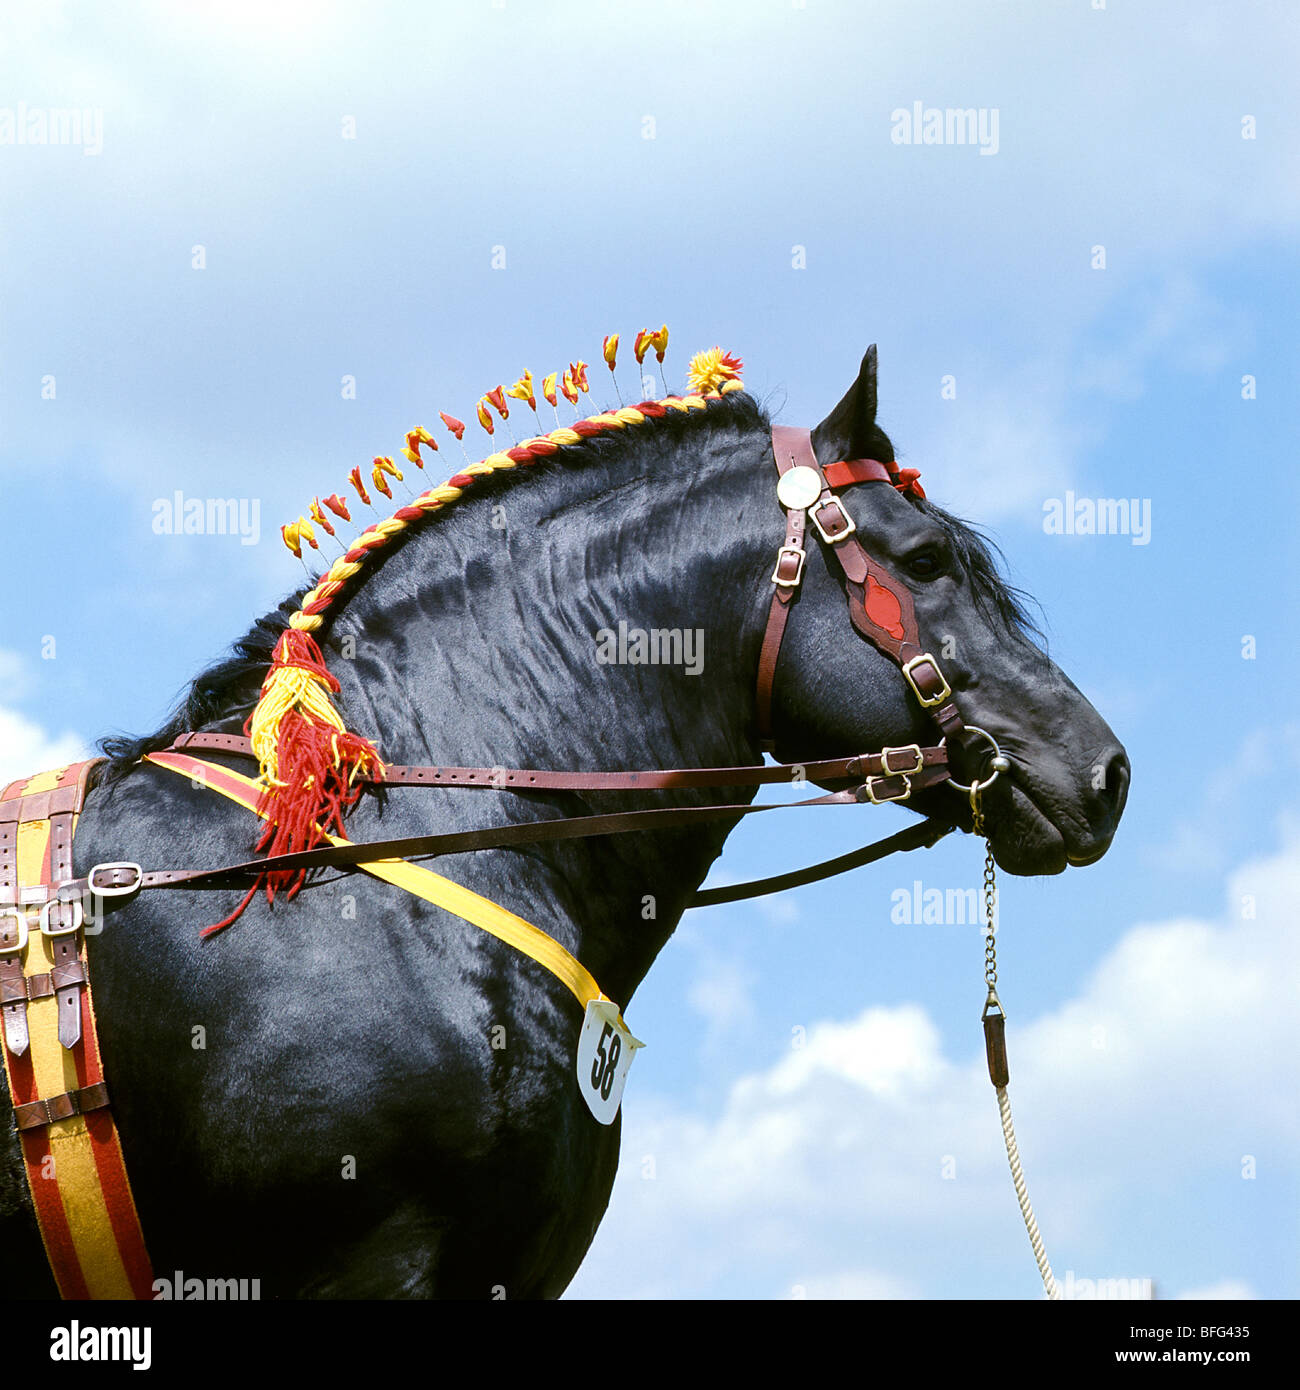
x: 310, y: 762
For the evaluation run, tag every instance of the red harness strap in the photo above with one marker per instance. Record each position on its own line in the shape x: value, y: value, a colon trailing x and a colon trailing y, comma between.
x: 71, y: 1150
x: 844, y: 474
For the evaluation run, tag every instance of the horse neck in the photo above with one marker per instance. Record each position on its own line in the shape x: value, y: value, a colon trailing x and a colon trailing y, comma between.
x: 478, y: 645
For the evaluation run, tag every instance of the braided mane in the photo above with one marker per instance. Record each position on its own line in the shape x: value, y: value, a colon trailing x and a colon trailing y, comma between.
x: 228, y: 689
x: 317, y: 600
x: 311, y: 764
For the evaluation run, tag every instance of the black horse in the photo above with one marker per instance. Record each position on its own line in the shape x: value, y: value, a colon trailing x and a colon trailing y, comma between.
x: 384, y: 1103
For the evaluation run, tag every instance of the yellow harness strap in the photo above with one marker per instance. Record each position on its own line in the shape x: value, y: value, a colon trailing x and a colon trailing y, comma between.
x: 72, y: 1154
x: 443, y: 892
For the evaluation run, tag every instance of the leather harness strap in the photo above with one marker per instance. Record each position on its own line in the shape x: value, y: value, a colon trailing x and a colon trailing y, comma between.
x: 51, y: 812
x: 922, y: 835
x: 453, y: 842
x: 793, y: 449
x: 70, y: 1146
x: 537, y: 779
x: 126, y: 878
x: 880, y: 608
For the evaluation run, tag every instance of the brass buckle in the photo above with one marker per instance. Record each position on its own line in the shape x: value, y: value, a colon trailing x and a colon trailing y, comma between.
x: 875, y: 800
x: 801, y: 556
x: 927, y: 701
x: 20, y: 916
x: 835, y: 502
x: 888, y: 771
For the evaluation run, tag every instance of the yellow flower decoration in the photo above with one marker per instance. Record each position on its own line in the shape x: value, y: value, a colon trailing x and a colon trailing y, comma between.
x: 710, y: 369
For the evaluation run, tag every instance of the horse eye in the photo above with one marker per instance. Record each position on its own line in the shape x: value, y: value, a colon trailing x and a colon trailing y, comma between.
x: 925, y: 564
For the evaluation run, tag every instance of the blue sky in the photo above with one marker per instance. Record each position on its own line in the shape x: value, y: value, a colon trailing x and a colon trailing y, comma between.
x: 525, y: 126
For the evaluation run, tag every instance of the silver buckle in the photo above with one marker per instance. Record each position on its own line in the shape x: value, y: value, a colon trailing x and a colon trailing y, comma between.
x: 927, y: 701
x: 78, y: 916
x: 801, y: 555
x: 115, y: 890
x: 20, y: 916
x: 835, y: 502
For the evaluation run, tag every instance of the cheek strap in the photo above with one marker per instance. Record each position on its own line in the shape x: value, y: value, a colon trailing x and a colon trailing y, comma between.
x: 880, y: 607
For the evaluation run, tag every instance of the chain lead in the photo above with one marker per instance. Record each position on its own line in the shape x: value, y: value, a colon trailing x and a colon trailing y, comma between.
x: 990, y: 903
x: 996, y: 1048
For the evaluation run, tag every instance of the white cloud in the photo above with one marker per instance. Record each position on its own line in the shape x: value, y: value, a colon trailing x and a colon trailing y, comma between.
x: 15, y: 677
x: 1174, y: 1059
x: 885, y: 1052
x: 26, y: 748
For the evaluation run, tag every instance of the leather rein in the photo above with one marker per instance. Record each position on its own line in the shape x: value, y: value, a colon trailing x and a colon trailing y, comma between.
x: 880, y: 609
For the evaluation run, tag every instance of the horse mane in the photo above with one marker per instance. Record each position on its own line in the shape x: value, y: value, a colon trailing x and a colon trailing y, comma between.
x: 983, y: 562
x: 229, y: 688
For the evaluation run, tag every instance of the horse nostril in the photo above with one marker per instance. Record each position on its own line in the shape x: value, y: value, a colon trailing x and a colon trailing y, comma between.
x: 1115, y: 787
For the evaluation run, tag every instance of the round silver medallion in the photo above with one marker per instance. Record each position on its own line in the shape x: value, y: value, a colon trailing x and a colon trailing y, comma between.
x: 798, y: 488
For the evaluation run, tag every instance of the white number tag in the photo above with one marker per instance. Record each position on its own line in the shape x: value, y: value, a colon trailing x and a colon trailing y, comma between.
x: 605, y: 1050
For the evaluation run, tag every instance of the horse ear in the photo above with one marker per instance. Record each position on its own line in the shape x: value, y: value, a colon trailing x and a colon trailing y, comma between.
x: 847, y: 432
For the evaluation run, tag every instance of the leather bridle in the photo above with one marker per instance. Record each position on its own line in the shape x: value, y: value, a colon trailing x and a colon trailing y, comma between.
x: 880, y: 609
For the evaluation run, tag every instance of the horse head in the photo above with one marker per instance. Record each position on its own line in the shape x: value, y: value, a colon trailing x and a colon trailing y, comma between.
x: 1061, y: 798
